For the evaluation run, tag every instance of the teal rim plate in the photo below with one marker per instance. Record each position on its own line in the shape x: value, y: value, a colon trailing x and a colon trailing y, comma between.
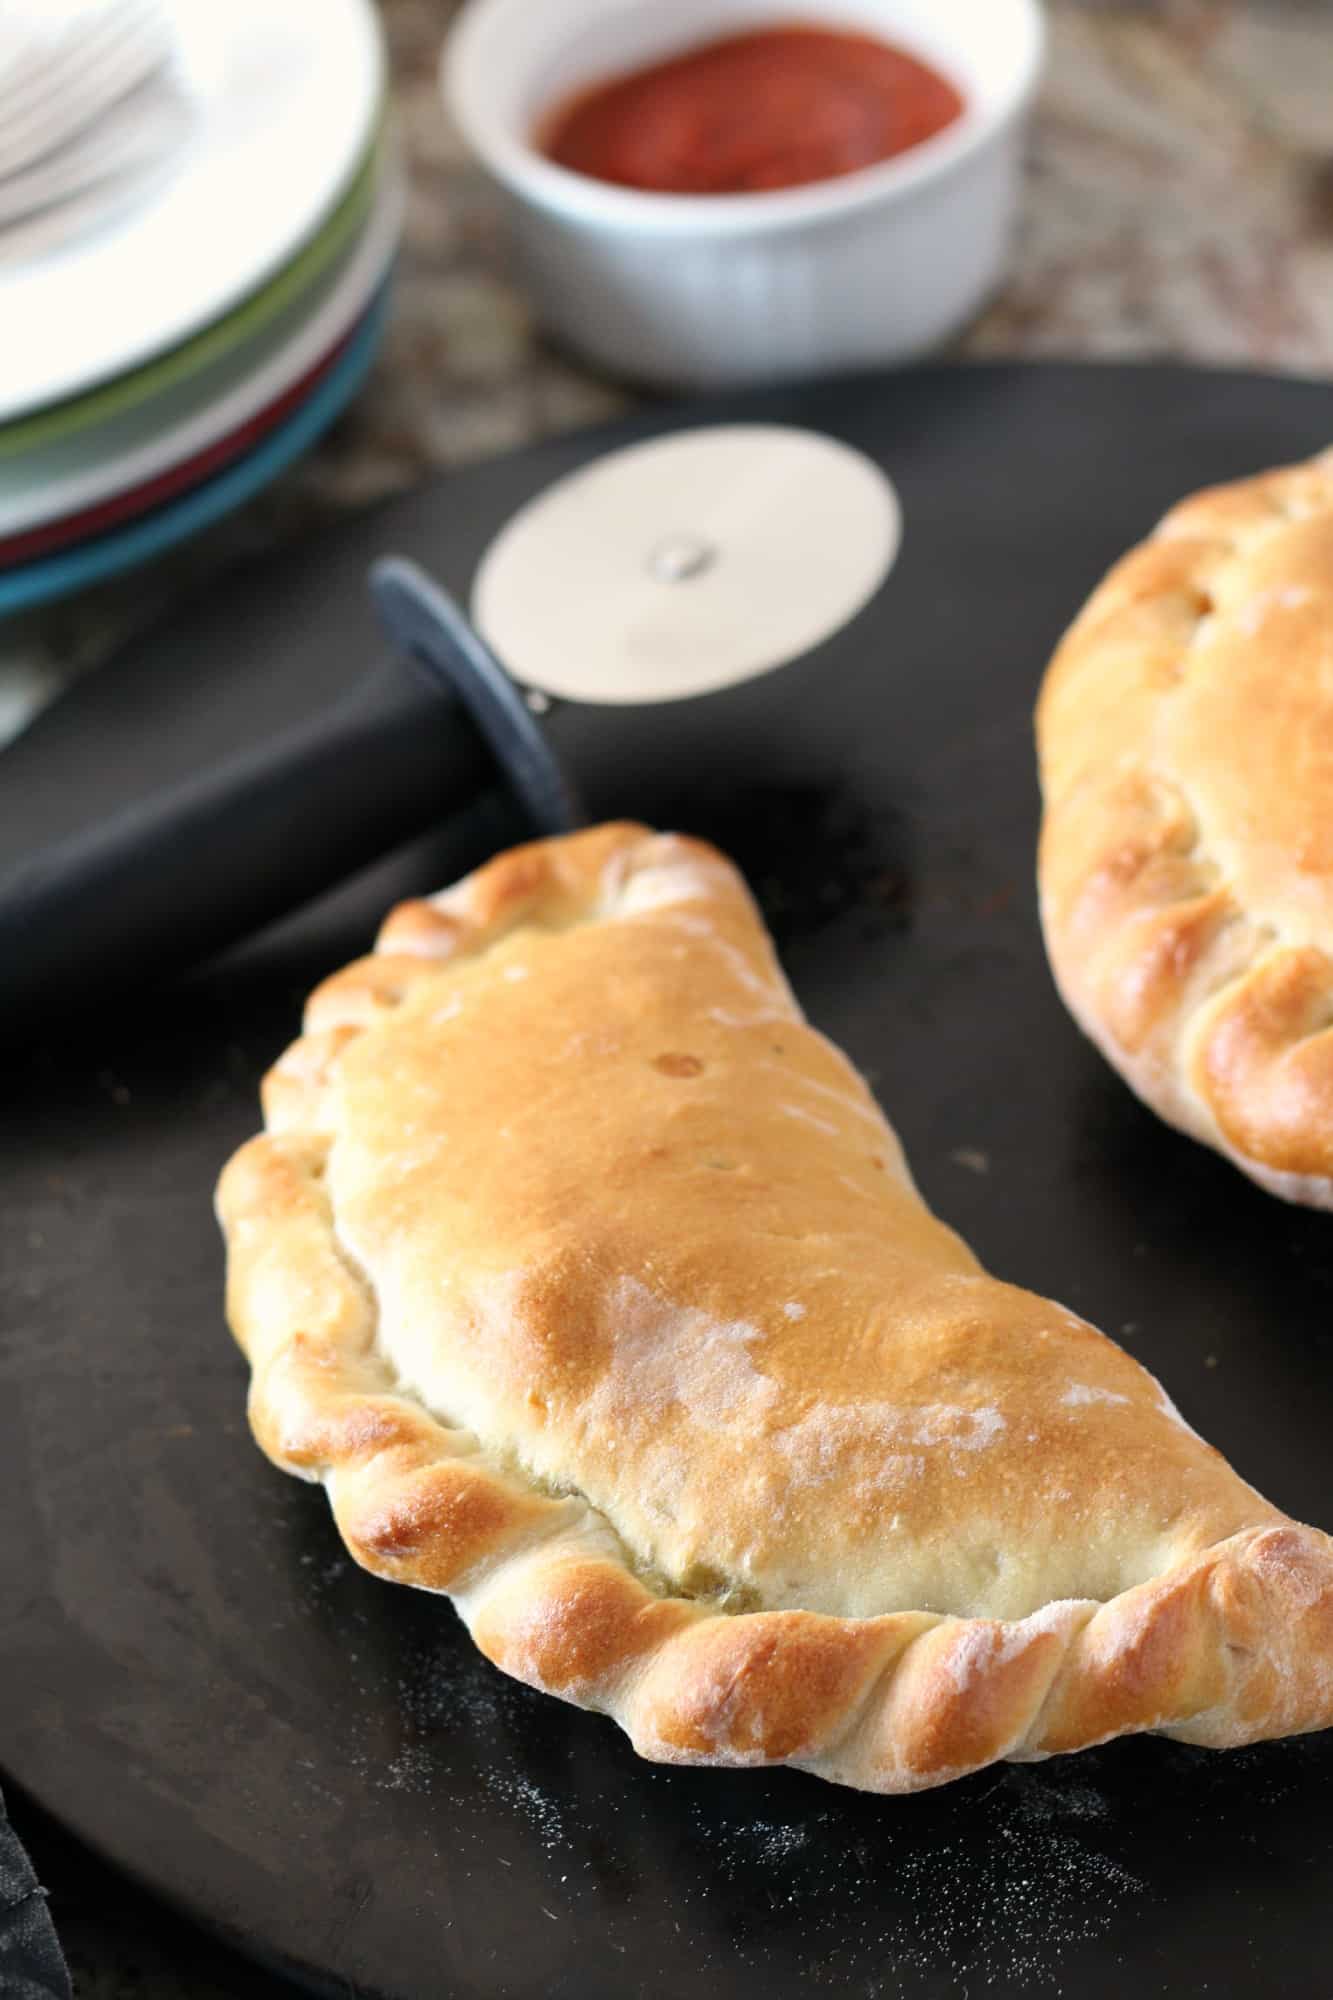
x: 108, y: 555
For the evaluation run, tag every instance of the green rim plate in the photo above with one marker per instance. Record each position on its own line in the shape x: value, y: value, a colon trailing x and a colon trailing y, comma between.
x: 123, y: 392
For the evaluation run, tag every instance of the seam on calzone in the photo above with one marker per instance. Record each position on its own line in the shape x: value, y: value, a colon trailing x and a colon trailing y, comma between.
x: 592, y: 1283
x: 1185, y: 729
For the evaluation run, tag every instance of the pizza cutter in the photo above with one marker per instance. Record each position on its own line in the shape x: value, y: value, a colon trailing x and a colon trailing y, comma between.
x: 681, y: 570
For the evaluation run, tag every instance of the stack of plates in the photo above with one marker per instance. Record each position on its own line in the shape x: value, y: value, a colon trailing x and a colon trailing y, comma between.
x: 161, y: 369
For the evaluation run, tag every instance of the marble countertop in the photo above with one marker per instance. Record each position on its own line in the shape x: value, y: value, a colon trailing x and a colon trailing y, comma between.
x: 1179, y: 203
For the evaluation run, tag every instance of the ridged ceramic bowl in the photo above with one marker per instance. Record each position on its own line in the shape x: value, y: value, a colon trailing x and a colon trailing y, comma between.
x: 703, y: 291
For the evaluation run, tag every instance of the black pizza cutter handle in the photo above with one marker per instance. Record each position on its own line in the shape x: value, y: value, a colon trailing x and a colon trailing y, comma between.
x: 182, y: 874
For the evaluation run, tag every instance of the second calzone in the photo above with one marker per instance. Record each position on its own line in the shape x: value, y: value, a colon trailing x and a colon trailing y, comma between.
x: 1186, y: 737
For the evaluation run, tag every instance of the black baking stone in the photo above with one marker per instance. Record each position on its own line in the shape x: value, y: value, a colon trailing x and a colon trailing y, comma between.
x: 196, y: 1680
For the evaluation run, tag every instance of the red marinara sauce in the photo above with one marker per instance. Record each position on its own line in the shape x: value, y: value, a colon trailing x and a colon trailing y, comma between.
x: 772, y: 108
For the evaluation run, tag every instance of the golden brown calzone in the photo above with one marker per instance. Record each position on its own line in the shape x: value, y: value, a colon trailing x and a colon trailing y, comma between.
x: 1186, y: 738
x: 592, y: 1283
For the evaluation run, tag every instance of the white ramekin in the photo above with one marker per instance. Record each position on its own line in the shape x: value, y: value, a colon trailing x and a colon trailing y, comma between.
x: 686, y: 290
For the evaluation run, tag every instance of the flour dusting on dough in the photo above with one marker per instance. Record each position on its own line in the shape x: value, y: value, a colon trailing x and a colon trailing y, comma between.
x: 1079, y: 1393
x: 1169, y: 1410
x: 682, y: 881
x: 664, y: 1356
x: 978, y: 1649
x: 852, y: 1100
x: 880, y: 1446
x: 808, y: 1118
x: 821, y: 1446
x: 1302, y: 1584
x: 1287, y: 597
x: 982, y: 1648
x: 962, y: 1430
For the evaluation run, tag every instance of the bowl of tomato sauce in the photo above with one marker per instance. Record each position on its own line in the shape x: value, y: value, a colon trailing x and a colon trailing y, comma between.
x: 715, y: 192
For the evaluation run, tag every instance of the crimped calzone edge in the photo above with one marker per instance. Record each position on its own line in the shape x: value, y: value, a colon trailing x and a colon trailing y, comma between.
x: 592, y: 1283
x: 1185, y: 730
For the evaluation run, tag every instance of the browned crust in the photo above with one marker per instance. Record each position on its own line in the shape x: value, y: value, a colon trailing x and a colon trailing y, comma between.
x: 1229, y: 1646
x: 1172, y: 930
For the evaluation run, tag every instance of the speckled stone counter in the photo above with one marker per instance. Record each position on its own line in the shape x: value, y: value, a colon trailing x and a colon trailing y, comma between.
x: 1179, y: 203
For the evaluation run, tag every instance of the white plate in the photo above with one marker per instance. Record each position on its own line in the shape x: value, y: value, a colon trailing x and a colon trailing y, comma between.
x: 134, y: 447
x: 285, y: 95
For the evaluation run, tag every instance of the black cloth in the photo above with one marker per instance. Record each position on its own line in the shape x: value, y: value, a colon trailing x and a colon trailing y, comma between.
x: 32, y: 1965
